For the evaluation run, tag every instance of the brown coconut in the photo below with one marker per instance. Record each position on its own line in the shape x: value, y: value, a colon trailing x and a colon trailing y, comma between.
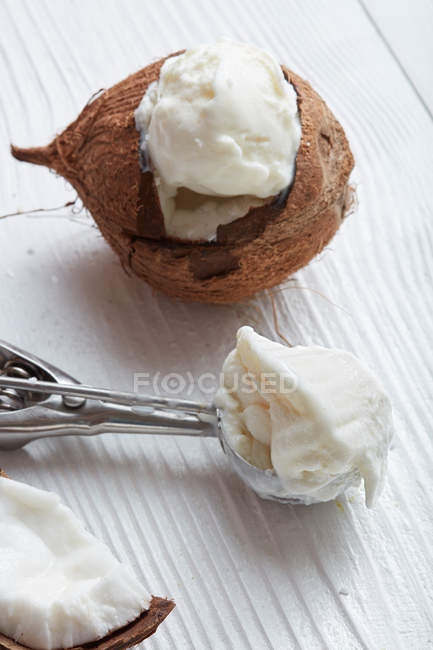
x: 125, y: 637
x: 99, y: 155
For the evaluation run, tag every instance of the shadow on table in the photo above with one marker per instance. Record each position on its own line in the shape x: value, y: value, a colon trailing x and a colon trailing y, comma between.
x: 134, y: 322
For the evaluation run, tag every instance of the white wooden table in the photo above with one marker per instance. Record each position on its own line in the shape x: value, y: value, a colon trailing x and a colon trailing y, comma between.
x: 244, y: 573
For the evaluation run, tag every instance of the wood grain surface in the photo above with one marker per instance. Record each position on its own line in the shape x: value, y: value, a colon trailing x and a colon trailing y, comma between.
x: 244, y: 573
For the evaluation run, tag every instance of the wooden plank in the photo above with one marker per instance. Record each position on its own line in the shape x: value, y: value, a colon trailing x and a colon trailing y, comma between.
x: 407, y: 29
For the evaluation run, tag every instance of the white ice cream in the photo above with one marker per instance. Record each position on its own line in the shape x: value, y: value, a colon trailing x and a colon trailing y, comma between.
x: 59, y: 585
x: 222, y: 123
x: 312, y: 414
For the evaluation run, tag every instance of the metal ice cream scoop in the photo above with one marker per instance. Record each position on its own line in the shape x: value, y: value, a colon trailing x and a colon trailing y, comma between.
x: 37, y: 400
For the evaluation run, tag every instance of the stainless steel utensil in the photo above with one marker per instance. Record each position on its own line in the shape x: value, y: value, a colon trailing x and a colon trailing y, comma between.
x: 38, y: 400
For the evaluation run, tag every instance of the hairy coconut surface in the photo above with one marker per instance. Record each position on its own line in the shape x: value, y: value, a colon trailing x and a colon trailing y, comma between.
x: 125, y: 637
x: 99, y: 155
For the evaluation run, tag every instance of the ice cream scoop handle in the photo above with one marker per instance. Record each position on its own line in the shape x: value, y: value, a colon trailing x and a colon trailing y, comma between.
x: 103, y: 394
x: 79, y: 410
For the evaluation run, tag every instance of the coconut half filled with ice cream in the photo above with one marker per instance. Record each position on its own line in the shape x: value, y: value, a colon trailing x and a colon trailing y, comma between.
x: 214, y: 173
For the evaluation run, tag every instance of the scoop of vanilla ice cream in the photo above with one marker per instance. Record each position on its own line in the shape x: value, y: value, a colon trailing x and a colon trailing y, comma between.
x: 222, y: 122
x: 312, y: 414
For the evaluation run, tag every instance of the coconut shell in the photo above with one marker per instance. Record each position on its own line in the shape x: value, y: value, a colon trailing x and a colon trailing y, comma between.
x: 125, y: 637
x: 99, y: 155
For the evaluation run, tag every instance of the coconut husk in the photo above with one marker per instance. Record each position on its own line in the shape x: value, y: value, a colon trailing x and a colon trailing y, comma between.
x: 126, y: 637
x: 99, y: 155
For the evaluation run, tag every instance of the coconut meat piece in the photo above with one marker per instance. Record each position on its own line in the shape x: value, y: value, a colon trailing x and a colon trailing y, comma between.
x: 59, y: 585
x: 220, y: 130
